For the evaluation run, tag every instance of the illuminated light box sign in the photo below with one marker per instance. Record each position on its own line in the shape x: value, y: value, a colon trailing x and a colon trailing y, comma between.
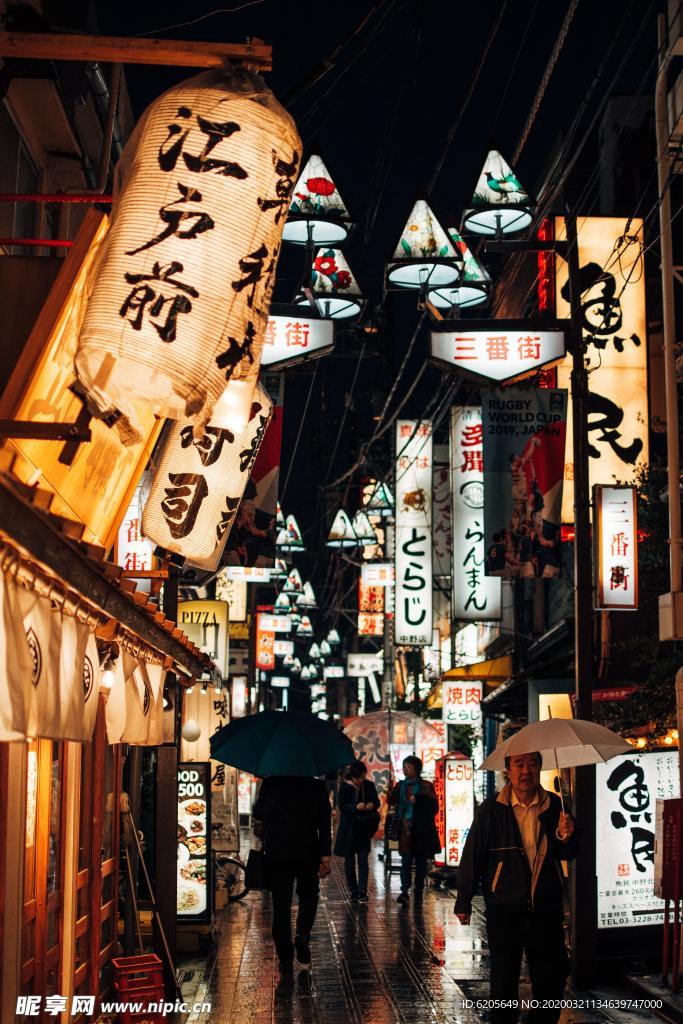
x: 458, y: 807
x: 275, y: 623
x: 250, y: 574
x: 616, y: 548
x: 281, y: 681
x: 504, y: 351
x: 283, y: 647
x: 206, y: 624
x: 363, y: 665
x: 333, y: 672
x: 292, y: 338
x: 370, y: 624
x: 265, y: 640
x: 413, y: 534
x: 234, y: 593
x: 377, y: 574
x: 238, y: 696
x: 194, y: 900
x: 626, y: 791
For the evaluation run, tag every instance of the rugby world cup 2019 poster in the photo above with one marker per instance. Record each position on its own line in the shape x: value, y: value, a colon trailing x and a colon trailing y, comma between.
x: 524, y: 433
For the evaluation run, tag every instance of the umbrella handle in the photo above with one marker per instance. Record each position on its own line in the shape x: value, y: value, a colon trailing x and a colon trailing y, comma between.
x: 559, y: 778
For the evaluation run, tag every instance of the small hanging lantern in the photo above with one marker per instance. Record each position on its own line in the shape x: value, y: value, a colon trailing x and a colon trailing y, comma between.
x: 334, y: 287
x: 305, y: 627
x: 363, y: 529
x: 288, y: 661
x: 341, y: 534
x: 279, y: 518
x: 333, y: 638
x: 306, y: 673
x: 313, y: 671
x: 314, y: 651
x: 317, y: 214
x: 474, y: 284
x: 424, y: 256
x: 293, y: 584
x: 306, y: 598
x: 280, y: 570
x: 500, y: 204
x: 283, y: 603
x: 380, y: 501
x: 289, y: 538
x: 176, y: 313
x: 295, y: 668
x: 325, y: 649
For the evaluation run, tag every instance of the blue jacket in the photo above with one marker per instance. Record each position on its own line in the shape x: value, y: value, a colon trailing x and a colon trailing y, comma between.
x: 349, y: 839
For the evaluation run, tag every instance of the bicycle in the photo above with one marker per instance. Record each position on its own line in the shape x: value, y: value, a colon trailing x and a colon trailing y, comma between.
x: 229, y: 869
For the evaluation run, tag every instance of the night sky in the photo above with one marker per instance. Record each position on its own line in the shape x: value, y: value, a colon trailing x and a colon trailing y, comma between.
x: 380, y: 118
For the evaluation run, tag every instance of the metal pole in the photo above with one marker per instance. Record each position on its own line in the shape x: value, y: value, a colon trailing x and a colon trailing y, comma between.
x: 584, y: 889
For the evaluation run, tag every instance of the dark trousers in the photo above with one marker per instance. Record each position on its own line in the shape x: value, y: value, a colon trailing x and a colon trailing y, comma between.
x: 281, y: 878
x: 357, y: 884
x: 541, y: 938
x: 407, y: 870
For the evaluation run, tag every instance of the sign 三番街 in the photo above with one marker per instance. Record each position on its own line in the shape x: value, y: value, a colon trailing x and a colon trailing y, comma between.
x: 459, y: 807
x: 476, y: 596
x: 616, y: 548
x: 194, y: 841
x: 505, y: 351
x: 523, y: 434
x: 289, y: 339
x: 613, y: 314
x: 251, y: 574
x: 377, y: 574
x: 413, y: 535
x: 206, y: 624
x: 627, y: 788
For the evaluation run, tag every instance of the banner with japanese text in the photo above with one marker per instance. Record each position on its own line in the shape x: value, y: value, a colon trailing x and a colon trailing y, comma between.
x: 613, y: 313
x: 476, y: 596
x: 524, y: 433
x: 413, y: 538
x: 442, y: 539
x: 616, y: 548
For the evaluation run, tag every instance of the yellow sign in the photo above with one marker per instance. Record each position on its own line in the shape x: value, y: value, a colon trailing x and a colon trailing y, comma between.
x: 97, y: 487
x: 612, y: 273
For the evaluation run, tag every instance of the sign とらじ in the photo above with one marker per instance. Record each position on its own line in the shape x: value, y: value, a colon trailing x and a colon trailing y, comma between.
x: 413, y: 534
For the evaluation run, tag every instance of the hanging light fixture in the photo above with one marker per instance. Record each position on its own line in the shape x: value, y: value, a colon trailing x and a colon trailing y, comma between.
x: 280, y: 570
x: 283, y: 603
x: 293, y: 583
x: 325, y: 648
x: 313, y: 672
x: 474, y: 284
x: 317, y: 214
x: 288, y: 661
x: 363, y: 529
x: 295, y: 669
x: 306, y: 673
x: 341, y: 534
x: 424, y: 256
x: 334, y: 287
x: 314, y: 651
x: 500, y: 204
x: 279, y: 518
x: 380, y: 502
x: 305, y: 627
x: 333, y: 638
x: 306, y: 598
x: 291, y: 536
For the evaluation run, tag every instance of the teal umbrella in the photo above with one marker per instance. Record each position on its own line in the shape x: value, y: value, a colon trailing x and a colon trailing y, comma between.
x: 282, y: 743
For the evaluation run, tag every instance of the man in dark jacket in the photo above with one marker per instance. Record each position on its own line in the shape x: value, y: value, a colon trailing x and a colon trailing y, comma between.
x: 514, y: 848
x: 416, y: 804
x: 297, y: 840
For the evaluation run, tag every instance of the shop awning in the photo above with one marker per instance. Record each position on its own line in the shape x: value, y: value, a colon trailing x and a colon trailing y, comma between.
x: 493, y: 672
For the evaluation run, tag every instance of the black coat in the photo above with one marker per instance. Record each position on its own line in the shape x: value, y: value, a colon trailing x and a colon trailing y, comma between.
x: 424, y: 839
x: 494, y: 855
x: 349, y: 838
x: 297, y: 818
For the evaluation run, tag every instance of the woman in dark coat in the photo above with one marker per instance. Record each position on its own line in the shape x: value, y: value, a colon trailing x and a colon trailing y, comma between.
x: 358, y: 804
x: 415, y: 801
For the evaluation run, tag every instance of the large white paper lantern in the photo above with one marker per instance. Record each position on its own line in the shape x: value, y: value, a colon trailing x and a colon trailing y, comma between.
x: 179, y: 297
x: 198, y: 485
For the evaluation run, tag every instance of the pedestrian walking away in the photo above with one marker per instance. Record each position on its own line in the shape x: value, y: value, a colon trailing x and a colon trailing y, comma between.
x: 358, y: 803
x: 416, y: 804
x: 296, y: 837
x: 514, y: 848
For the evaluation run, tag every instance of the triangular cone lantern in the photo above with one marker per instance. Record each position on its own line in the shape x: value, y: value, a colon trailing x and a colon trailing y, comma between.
x: 293, y: 583
x: 363, y: 529
x: 317, y: 214
x: 306, y: 598
x: 425, y: 256
x: 500, y: 204
x: 333, y: 637
x: 279, y: 570
x: 283, y: 603
x: 314, y: 651
x: 472, y: 289
x: 325, y: 648
x: 305, y: 672
x: 313, y: 671
x: 281, y: 539
x: 337, y: 293
x: 305, y: 627
x: 380, y: 501
x: 288, y: 661
x: 292, y: 541
x: 341, y: 535
x: 279, y: 519
x: 295, y: 667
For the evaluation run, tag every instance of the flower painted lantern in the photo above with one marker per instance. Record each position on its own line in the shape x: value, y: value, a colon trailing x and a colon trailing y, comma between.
x: 283, y: 603
x: 473, y: 287
x: 307, y: 598
x: 305, y: 627
x: 317, y: 214
x: 425, y: 256
x: 500, y: 204
x: 380, y: 501
x: 341, y: 534
x: 178, y: 305
x: 336, y: 291
x: 289, y: 538
x: 280, y: 570
x: 363, y: 529
x: 198, y: 486
x: 293, y: 584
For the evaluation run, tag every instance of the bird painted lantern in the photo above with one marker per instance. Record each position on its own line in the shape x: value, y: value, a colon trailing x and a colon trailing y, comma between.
x: 500, y: 204
x: 289, y: 538
x: 178, y: 303
x: 341, y: 534
x: 473, y: 287
x: 334, y: 287
x: 425, y: 256
x: 317, y: 214
x: 363, y: 529
x: 197, y: 488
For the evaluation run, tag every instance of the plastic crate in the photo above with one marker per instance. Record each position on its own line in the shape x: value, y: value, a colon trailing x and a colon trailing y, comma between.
x: 135, y: 973
x: 147, y: 996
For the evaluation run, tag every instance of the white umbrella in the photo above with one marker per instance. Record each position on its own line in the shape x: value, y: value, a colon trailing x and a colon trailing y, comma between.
x: 561, y: 742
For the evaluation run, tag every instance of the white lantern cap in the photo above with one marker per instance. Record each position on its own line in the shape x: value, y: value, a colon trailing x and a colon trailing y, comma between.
x: 314, y: 650
x: 336, y: 290
x: 293, y: 584
x: 283, y: 603
x: 341, y: 534
x: 363, y: 529
x: 500, y: 204
x: 333, y: 637
x: 305, y: 627
x: 306, y: 598
x: 305, y: 672
x: 317, y: 213
x: 280, y: 570
x: 380, y: 501
x: 325, y: 648
x: 292, y: 536
x: 424, y: 256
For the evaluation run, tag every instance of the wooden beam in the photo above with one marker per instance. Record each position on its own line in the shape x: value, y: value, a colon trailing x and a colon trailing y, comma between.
x: 128, y: 50
x: 30, y: 530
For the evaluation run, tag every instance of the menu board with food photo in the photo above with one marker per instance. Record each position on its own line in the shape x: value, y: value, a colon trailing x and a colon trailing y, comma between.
x: 194, y: 841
